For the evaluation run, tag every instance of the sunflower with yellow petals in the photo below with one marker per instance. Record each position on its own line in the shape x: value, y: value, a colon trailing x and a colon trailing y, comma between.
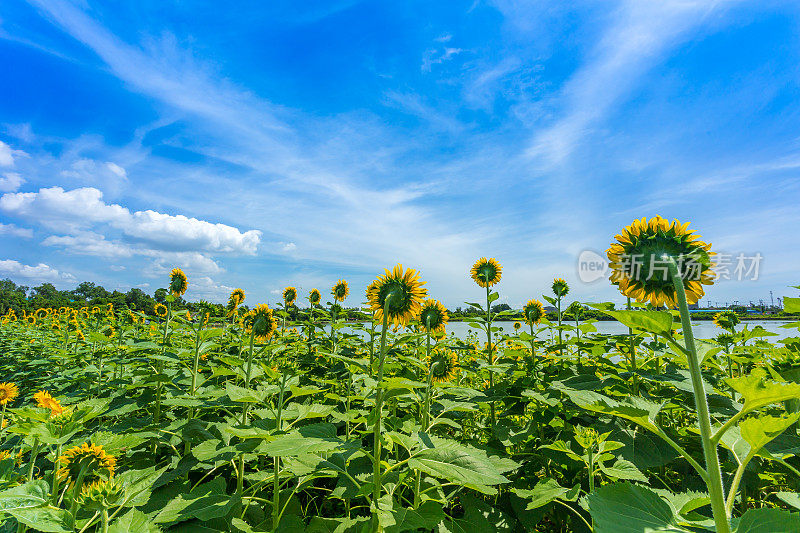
x: 405, y: 289
x: 560, y: 287
x: 8, y: 392
x: 340, y: 290
x: 178, y: 283
x: 90, y: 459
x: 260, y: 322
x: 433, y: 316
x: 486, y: 272
x: 533, y: 311
x: 443, y: 366
x: 314, y: 297
x: 727, y: 320
x: 289, y: 296
x: 160, y: 310
x: 46, y: 401
x: 640, y: 255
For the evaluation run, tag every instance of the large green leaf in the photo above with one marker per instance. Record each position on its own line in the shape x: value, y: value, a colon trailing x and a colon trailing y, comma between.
x: 768, y: 521
x: 242, y: 394
x: 790, y: 498
x: 294, y: 444
x: 134, y: 521
x: 624, y: 469
x: 545, y: 492
x: 759, y: 392
x: 634, y: 408
x: 32, y: 494
x: 791, y: 305
x: 47, y: 519
x: 204, y: 502
x: 627, y: 508
x: 659, y: 322
x: 457, y: 463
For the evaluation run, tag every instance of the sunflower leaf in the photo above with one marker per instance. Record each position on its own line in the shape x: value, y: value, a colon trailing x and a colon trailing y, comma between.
x: 659, y: 322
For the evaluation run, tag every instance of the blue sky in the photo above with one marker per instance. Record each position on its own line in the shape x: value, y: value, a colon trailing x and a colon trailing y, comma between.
x: 259, y: 147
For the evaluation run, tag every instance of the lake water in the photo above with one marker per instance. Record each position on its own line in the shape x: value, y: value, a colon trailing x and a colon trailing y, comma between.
x: 705, y: 329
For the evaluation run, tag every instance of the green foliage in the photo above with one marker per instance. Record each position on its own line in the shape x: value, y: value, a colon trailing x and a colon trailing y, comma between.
x: 208, y: 435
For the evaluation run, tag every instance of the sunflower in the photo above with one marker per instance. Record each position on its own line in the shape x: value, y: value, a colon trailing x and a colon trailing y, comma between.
x: 260, y: 322
x: 433, y: 316
x: 45, y: 401
x: 340, y: 291
x: 560, y: 287
x: 160, y: 310
x: 237, y: 295
x: 8, y: 391
x: 444, y: 366
x: 100, y: 494
x: 93, y: 460
x: 724, y: 339
x: 109, y: 331
x: 407, y: 292
x: 41, y: 313
x: 79, y: 335
x: 314, y: 297
x: 533, y: 312
x: 727, y: 320
x: 517, y: 325
x: 30, y: 320
x: 486, y: 272
x: 638, y: 261
x: 289, y: 296
x: 177, y: 282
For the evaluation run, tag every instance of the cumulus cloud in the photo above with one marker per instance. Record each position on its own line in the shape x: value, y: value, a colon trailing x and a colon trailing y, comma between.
x: 90, y: 243
x: 190, y: 262
x: 82, y: 208
x: 10, y: 182
x: 207, y: 289
x: 40, y: 272
x: 15, y: 231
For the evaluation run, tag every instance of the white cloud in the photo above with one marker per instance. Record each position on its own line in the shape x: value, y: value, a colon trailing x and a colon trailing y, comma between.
x: 6, y: 158
x: 10, y: 182
x: 40, y: 272
x: 116, y: 169
x: 82, y: 208
x: 642, y: 33
x: 90, y: 243
x: 15, y: 231
x: 189, y: 262
x: 206, y: 288
x: 116, y: 268
x: 289, y: 246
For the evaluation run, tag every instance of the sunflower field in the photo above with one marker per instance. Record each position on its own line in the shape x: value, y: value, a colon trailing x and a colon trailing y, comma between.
x: 126, y: 421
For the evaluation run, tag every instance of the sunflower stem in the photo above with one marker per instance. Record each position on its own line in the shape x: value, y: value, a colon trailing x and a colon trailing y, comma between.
x: 632, y: 349
x: 276, y: 482
x: 426, y: 416
x: 715, y: 488
x: 240, y: 469
x: 489, y: 348
x: 376, y: 430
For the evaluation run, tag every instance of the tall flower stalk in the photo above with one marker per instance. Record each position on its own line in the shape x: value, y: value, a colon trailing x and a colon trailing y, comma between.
x: 487, y: 272
x: 395, y: 296
x: 560, y: 289
x: 434, y: 317
x: 644, y: 264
